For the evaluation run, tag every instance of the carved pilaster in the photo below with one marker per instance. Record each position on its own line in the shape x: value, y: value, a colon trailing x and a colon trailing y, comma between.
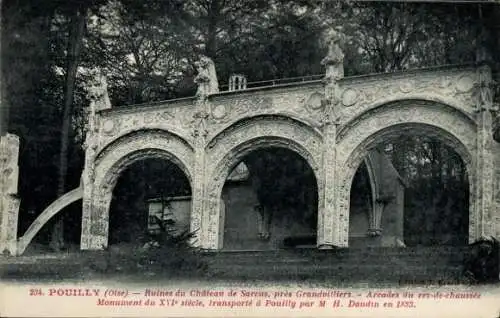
x: 99, y: 100
x: 484, y: 224
x: 9, y: 202
x: 332, y: 230
x: 199, y: 218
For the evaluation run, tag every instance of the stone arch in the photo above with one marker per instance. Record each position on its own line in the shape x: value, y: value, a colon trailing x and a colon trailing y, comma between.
x: 161, y: 128
x: 113, y: 160
x: 264, y: 119
x: 55, y: 207
x: 430, y: 119
x: 437, y: 99
x: 234, y: 143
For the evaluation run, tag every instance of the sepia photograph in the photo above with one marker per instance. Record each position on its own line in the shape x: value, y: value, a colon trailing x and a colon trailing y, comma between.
x: 249, y: 158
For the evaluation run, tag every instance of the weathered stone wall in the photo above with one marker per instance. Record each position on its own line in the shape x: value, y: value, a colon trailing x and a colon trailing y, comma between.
x: 9, y: 202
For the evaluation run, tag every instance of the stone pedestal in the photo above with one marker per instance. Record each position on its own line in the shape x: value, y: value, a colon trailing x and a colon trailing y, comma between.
x: 9, y: 202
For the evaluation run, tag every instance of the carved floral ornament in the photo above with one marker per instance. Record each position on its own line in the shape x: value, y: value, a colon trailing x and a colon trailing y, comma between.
x: 485, y: 89
x: 315, y: 102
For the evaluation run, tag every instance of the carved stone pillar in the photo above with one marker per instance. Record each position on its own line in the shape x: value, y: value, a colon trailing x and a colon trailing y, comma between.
x: 87, y: 184
x: 94, y: 224
x: 198, y: 225
x: 331, y: 231
x: 202, y: 213
x: 9, y: 202
x: 484, y: 223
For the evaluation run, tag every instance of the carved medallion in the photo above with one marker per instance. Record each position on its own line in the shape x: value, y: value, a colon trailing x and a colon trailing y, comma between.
x: 314, y: 101
x: 465, y: 83
x: 219, y: 111
x: 349, y: 97
x: 407, y: 86
x: 108, y: 126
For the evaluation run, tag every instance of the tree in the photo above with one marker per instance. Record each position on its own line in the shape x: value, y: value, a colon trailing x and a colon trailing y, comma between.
x: 388, y: 37
x: 76, y: 28
x: 140, y: 55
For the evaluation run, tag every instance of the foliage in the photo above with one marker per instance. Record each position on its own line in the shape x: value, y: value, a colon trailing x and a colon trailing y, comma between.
x: 172, y: 255
x: 437, y: 193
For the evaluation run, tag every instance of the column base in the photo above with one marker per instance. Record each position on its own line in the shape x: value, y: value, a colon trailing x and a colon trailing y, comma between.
x: 94, y: 243
x: 326, y: 247
x: 9, y: 248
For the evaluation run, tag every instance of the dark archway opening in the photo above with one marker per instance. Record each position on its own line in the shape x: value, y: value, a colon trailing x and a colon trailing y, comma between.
x: 437, y: 196
x: 148, y: 191
x: 271, y: 202
x: 422, y: 195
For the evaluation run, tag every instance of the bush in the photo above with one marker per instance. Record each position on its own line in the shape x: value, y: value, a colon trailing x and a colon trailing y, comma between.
x: 165, y: 252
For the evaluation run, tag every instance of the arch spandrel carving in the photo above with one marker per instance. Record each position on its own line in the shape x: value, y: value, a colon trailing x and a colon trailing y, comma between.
x: 459, y: 125
x: 226, y: 110
x: 286, y: 130
x: 354, y: 141
x: 175, y: 119
x: 266, y: 123
x: 112, y: 160
x: 455, y: 88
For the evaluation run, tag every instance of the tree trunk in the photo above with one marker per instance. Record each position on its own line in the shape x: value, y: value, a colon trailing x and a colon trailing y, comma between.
x: 77, y: 27
x: 213, y: 16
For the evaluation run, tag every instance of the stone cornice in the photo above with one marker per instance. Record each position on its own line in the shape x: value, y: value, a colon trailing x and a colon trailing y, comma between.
x: 137, y: 108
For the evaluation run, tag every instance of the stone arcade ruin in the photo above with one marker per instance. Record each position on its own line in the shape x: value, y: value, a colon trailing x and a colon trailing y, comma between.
x: 335, y: 124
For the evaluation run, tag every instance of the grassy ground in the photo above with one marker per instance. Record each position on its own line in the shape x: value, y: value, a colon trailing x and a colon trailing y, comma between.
x: 129, y: 264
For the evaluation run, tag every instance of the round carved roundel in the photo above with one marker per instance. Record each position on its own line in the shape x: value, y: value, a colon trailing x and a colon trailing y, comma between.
x: 407, y: 86
x: 315, y: 101
x: 219, y: 111
x: 108, y: 126
x: 349, y: 97
x: 465, y: 84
